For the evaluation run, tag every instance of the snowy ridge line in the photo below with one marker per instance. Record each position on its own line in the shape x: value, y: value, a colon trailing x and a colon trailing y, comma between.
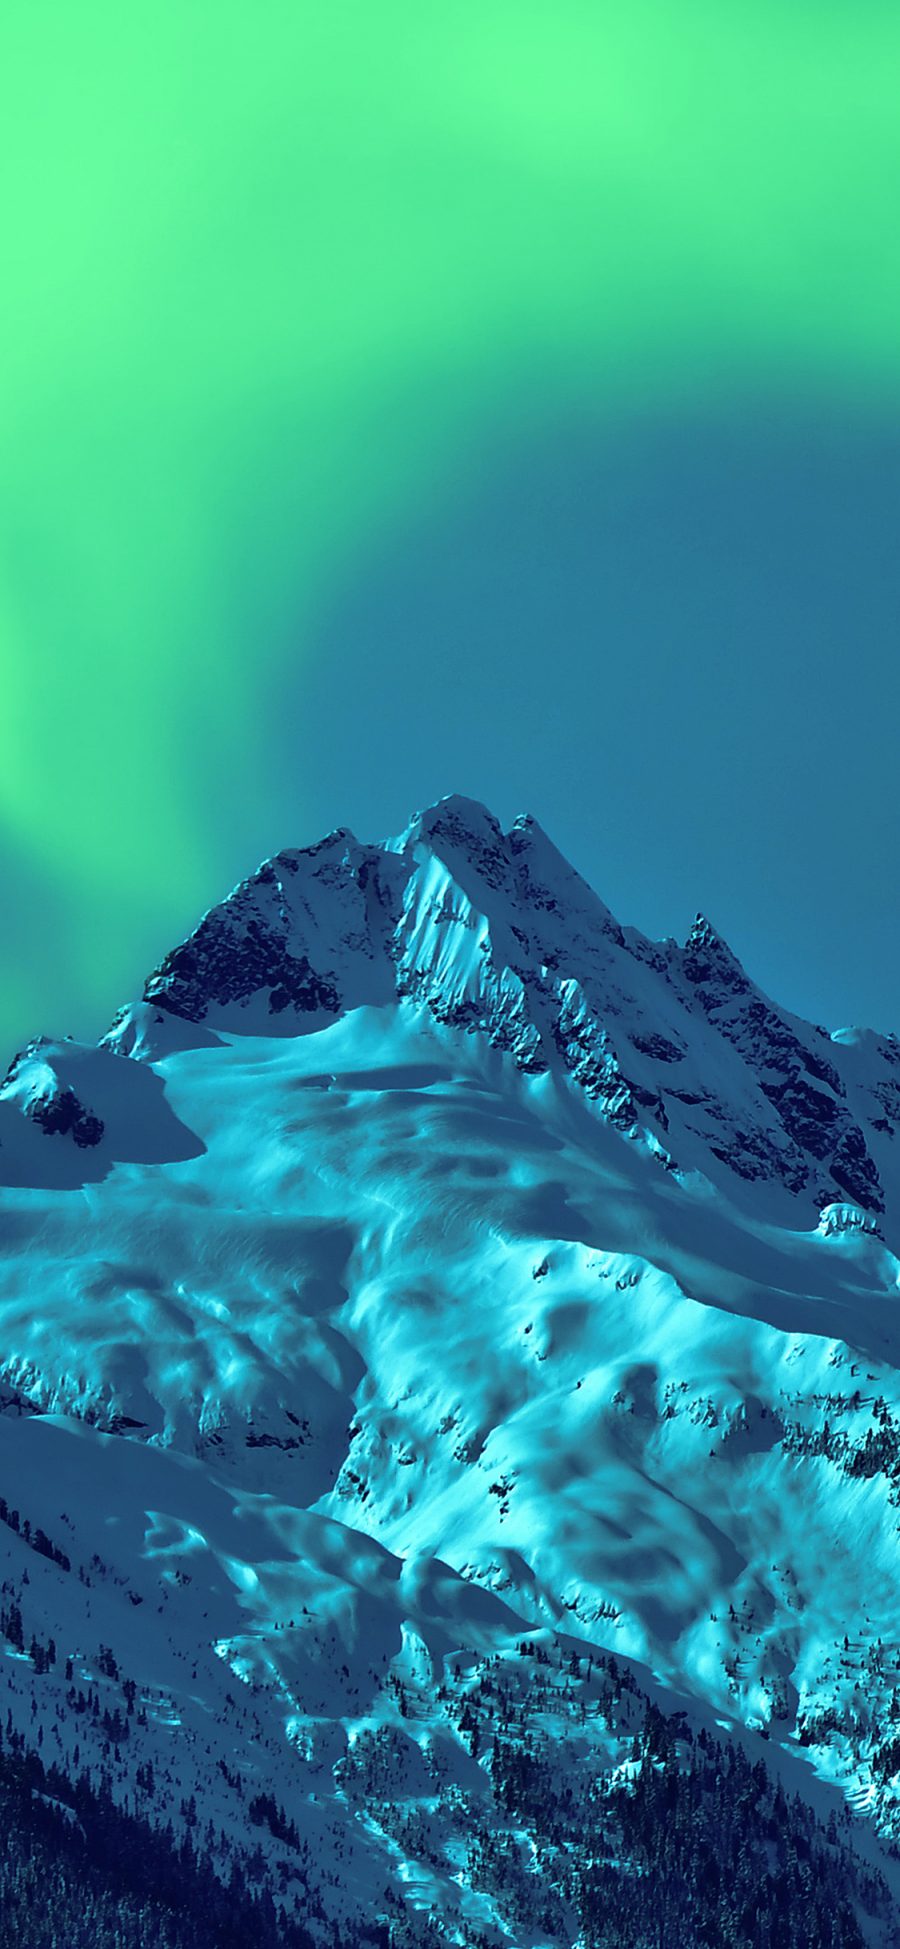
x: 494, y: 932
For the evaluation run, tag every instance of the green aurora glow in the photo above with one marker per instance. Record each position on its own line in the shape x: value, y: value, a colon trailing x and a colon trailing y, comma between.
x: 272, y: 274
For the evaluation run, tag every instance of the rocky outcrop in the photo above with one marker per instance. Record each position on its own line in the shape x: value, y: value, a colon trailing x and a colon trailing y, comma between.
x: 60, y: 1114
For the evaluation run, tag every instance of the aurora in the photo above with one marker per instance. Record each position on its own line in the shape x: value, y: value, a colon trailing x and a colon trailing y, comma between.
x: 281, y: 287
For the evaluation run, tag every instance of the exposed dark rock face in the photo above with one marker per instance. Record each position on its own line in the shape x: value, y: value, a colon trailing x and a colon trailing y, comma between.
x: 709, y: 964
x: 589, y: 1056
x: 816, y: 1120
x: 61, y: 1115
x: 659, y: 1048
x: 221, y: 964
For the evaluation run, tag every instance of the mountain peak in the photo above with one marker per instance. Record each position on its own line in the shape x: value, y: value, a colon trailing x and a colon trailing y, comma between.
x: 455, y: 812
x: 429, y: 1295
x: 703, y: 935
x: 706, y: 958
x: 459, y: 830
x: 494, y: 933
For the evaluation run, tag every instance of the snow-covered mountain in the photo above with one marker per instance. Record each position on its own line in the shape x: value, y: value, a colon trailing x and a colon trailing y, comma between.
x: 430, y: 1278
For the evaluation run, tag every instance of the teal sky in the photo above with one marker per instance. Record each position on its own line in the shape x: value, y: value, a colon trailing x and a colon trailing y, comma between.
x: 396, y: 400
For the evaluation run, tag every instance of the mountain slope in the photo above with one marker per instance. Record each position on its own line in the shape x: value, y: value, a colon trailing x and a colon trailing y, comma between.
x: 424, y: 1261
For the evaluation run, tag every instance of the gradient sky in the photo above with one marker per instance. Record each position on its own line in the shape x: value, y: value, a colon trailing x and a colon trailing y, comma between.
x: 397, y: 400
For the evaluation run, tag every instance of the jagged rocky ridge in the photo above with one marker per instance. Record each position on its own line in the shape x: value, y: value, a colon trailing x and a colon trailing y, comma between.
x: 495, y: 933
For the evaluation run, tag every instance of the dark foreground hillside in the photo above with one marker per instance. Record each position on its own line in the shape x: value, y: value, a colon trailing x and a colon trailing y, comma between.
x: 687, y: 1843
x: 78, y: 1873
